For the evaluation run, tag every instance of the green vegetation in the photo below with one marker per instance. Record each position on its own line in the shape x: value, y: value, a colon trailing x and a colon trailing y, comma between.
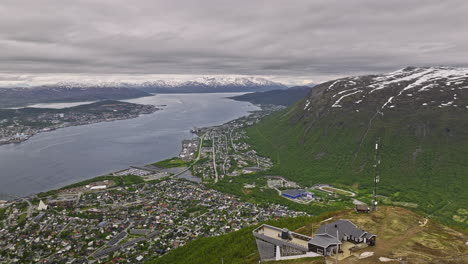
x: 22, y: 219
x: 338, y: 191
x: 234, y: 247
x: 418, y: 166
x: 171, y: 163
x: 118, y: 181
x: 28, y: 115
x: 262, y: 194
x: 129, y: 180
x: 3, y: 216
x: 207, y: 143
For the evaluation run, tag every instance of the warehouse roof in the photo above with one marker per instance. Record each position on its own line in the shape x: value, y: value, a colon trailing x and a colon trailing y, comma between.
x: 293, y: 192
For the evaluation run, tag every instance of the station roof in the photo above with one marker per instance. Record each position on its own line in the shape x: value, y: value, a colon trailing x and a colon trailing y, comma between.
x: 293, y: 192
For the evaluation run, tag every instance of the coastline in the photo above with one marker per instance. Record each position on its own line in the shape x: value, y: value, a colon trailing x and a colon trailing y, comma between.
x: 176, y: 172
x: 65, y: 125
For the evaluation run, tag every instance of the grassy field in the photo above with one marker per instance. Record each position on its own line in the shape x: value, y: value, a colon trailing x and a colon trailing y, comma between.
x: 402, y: 233
x: 118, y: 181
x: 171, y: 163
x: 428, y: 170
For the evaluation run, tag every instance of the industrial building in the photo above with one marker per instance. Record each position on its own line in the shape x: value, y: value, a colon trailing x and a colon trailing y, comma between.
x: 297, y: 193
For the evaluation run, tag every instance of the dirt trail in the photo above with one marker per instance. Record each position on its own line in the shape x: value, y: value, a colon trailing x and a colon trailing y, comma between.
x: 400, y: 234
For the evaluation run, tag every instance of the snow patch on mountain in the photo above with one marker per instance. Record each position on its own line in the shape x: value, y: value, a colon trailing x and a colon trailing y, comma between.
x: 201, y: 81
x: 401, y: 86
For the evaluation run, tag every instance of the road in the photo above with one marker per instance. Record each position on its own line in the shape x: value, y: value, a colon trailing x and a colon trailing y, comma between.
x: 330, y: 189
x: 30, y: 207
x: 232, y: 142
x: 226, y: 156
x: 214, y: 159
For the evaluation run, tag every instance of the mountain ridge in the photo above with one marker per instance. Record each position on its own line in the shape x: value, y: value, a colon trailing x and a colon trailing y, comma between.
x: 91, y: 91
x: 204, y: 81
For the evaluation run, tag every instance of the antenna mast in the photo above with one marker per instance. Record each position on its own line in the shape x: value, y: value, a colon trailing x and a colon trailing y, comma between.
x: 376, y: 176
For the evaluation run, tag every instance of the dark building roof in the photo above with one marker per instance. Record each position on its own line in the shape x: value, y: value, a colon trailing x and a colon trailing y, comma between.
x: 253, y: 168
x: 132, y: 242
x: 39, y: 217
x: 106, y: 251
x: 102, y: 224
x: 152, y: 234
x: 324, y: 241
x: 117, y: 238
x: 344, y: 227
x: 137, y: 231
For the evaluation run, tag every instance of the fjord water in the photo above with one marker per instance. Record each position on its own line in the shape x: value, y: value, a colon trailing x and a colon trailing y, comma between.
x: 54, y: 159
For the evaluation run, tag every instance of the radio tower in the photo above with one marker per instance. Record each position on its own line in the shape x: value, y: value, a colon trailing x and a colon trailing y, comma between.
x: 376, y: 177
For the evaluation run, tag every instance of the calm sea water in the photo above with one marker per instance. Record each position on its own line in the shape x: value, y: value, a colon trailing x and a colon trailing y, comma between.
x: 54, y: 159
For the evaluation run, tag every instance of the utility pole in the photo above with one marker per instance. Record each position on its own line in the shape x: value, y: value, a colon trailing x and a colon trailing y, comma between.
x: 376, y: 176
x: 337, y: 247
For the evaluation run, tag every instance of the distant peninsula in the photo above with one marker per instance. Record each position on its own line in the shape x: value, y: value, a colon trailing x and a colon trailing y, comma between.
x: 17, y: 125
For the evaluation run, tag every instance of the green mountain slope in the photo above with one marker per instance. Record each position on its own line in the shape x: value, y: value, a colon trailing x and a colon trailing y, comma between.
x: 284, y: 97
x: 330, y: 136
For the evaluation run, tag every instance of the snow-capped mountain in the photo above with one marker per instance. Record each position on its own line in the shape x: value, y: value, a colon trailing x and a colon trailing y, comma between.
x: 98, y: 90
x: 201, y: 84
x: 409, y: 87
x: 212, y: 84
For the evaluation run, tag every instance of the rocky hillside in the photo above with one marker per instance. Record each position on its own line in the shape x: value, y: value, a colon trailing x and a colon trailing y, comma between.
x: 419, y: 116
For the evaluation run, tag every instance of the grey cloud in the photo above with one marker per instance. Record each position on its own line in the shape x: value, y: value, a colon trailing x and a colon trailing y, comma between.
x: 286, y: 40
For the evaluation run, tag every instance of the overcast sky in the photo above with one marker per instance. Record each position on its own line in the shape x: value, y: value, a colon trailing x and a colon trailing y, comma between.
x: 289, y: 41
